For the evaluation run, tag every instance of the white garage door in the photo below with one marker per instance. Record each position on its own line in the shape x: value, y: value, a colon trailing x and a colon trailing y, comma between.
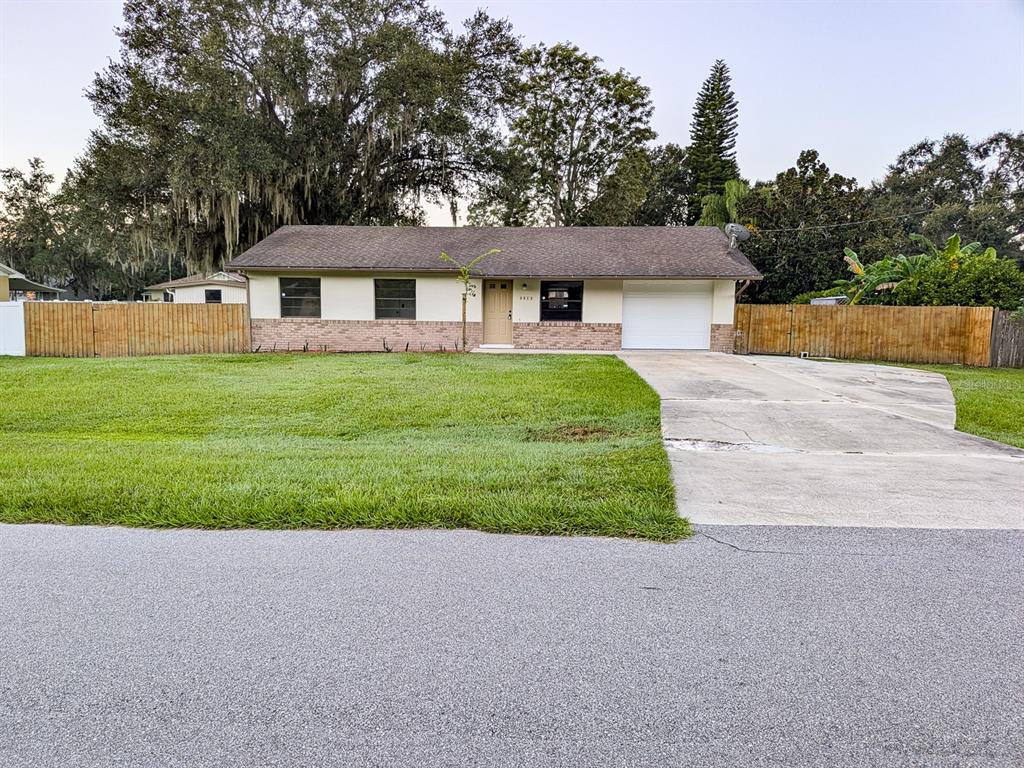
x: 666, y: 314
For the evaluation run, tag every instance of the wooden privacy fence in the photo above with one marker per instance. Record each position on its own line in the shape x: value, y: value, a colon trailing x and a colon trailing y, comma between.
x: 1007, y: 341
x: 86, y: 329
x: 901, y: 334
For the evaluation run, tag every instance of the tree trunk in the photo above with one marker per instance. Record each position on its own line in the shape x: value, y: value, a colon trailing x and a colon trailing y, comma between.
x: 464, y: 323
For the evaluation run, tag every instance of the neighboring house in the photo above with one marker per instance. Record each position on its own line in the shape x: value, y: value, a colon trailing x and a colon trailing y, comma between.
x: 605, y: 288
x: 15, y: 286
x: 217, y: 288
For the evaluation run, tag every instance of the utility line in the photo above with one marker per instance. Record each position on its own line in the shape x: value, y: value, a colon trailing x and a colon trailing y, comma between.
x: 879, y: 218
x: 847, y: 223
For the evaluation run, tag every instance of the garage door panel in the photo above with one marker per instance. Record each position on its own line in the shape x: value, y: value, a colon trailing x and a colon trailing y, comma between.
x: 666, y: 316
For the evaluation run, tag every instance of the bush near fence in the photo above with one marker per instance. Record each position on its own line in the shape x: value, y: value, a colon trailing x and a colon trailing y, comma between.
x: 959, y: 335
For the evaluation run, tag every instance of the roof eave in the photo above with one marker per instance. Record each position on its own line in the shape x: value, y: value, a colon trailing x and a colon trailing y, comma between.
x: 23, y: 284
x: 218, y: 283
x: 515, y: 275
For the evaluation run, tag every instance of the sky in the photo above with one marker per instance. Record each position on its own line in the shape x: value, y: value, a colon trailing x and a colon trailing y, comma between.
x: 858, y: 81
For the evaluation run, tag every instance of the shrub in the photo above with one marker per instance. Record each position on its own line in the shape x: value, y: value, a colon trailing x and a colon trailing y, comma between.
x: 979, y: 279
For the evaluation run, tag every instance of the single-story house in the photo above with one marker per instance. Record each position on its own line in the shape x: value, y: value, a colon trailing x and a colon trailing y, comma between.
x: 352, y: 288
x: 216, y: 288
x: 15, y: 286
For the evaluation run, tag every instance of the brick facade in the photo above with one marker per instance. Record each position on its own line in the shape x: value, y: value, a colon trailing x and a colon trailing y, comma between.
x: 723, y: 338
x: 561, y: 335
x: 298, y: 333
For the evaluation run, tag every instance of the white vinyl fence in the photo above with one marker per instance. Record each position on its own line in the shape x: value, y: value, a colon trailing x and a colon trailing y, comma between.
x: 12, y: 328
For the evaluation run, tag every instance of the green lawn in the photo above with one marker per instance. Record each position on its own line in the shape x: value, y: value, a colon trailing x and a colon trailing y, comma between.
x: 545, y: 444
x: 989, y: 401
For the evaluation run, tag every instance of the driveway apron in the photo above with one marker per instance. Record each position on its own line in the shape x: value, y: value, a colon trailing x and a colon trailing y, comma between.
x: 757, y: 440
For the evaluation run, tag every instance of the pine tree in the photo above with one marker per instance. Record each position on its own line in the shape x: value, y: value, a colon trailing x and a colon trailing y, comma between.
x: 712, y: 152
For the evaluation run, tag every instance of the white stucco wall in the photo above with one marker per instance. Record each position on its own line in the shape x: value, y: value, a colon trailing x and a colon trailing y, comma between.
x: 723, y: 302
x: 345, y: 298
x: 350, y: 297
x: 264, y: 296
x: 526, y: 301
x: 196, y: 294
x: 602, y: 301
x: 438, y: 297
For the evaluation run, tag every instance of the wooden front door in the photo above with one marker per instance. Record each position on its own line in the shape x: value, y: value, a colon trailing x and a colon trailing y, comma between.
x: 497, y: 311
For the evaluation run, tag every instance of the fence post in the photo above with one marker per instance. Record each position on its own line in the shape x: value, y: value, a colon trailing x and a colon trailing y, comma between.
x: 12, y: 328
x: 792, y: 324
x: 994, y: 339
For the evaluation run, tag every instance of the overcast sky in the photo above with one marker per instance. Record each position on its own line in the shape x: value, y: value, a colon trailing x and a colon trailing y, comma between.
x: 857, y: 81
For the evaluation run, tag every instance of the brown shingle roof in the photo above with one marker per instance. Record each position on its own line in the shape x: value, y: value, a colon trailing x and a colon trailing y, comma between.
x: 695, y: 252
x: 237, y: 281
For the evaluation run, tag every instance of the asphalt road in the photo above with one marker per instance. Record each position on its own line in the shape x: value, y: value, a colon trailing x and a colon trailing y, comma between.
x: 743, y: 646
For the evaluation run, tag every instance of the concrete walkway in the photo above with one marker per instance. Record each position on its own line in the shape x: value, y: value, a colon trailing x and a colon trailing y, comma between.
x: 782, y: 441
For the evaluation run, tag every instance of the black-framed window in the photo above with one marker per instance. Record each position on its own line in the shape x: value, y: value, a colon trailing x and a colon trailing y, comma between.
x: 394, y: 299
x: 213, y: 296
x: 300, y: 296
x: 169, y: 297
x: 561, y: 300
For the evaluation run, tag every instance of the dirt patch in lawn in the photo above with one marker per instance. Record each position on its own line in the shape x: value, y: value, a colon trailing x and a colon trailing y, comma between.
x: 570, y: 433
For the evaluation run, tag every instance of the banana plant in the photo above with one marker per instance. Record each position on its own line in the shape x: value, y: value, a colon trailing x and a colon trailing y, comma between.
x: 886, y: 274
x: 903, y: 268
x: 881, y: 275
x: 951, y: 252
x: 865, y: 279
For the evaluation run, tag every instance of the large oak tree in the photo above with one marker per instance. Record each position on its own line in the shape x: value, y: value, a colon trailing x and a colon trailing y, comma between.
x: 223, y: 119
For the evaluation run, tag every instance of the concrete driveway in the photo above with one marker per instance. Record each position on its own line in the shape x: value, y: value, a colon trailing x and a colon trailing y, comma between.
x: 782, y: 441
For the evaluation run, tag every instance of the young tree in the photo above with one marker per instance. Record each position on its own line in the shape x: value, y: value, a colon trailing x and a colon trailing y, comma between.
x: 712, y: 151
x: 464, y: 274
x: 572, y: 122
